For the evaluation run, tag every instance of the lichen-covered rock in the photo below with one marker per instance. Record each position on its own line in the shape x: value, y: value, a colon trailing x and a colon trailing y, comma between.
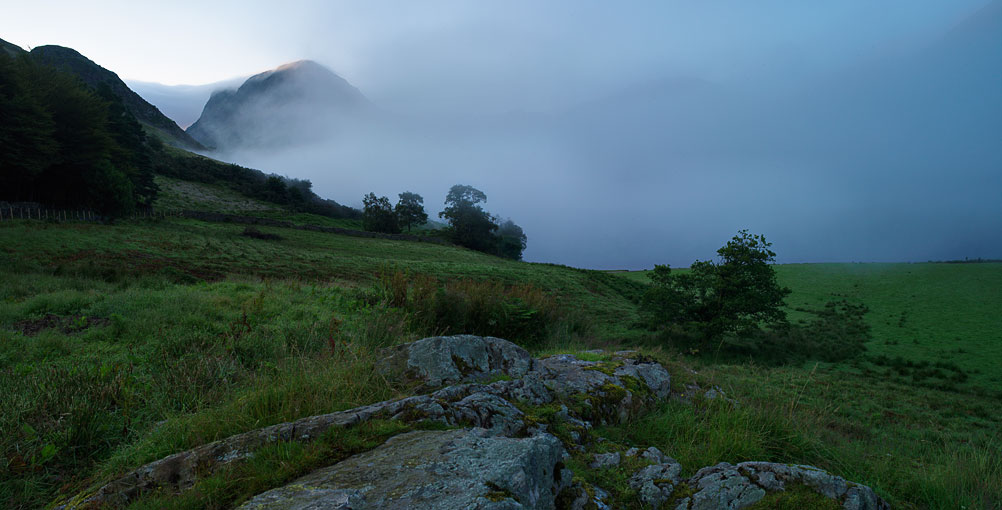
x: 655, y: 484
x: 456, y: 469
x: 441, y: 360
x: 579, y: 497
x: 655, y: 456
x: 653, y: 374
x: 733, y: 487
x: 722, y: 487
x: 601, y: 460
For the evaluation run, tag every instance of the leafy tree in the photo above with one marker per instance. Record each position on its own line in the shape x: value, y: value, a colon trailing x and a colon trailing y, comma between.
x: 276, y: 190
x: 511, y: 240
x: 131, y: 152
x: 470, y: 225
x: 735, y: 295
x: 26, y: 144
x: 378, y: 215
x: 410, y: 210
x: 66, y: 145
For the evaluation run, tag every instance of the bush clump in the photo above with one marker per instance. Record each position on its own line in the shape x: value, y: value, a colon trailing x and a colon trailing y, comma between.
x: 522, y: 313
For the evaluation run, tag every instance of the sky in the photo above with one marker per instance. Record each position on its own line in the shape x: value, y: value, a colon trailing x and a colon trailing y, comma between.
x: 620, y: 135
x: 544, y: 48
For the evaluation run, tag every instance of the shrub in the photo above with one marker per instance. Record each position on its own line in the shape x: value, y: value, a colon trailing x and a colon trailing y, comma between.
x: 522, y: 313
x: 736, y: 295
x: 837, y: 333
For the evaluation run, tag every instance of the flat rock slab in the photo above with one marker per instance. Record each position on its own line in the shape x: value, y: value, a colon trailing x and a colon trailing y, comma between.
x: 445, y: 470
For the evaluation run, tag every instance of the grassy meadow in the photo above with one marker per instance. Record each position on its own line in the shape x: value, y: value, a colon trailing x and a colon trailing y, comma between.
x: 120, y: 344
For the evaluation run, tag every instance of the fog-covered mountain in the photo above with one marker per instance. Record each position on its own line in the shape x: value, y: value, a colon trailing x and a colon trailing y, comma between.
x: 182, y: 103
x: 296, y: 102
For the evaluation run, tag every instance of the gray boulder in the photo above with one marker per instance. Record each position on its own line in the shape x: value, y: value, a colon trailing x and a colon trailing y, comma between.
x: 656, y: 483
x: 441, y: 360
x: 601, y: 460
x: 446, y: 470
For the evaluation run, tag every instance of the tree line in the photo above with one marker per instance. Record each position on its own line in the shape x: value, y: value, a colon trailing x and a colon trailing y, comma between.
x: 296, y: 194
x: 69, y: 146
x: 469, y: 224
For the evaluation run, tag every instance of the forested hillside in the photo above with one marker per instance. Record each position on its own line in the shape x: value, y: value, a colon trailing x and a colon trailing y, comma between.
x: 66, y: 144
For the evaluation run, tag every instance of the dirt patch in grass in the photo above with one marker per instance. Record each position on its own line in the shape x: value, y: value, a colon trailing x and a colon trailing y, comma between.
x: 257, y: 234
x: 67, y: 324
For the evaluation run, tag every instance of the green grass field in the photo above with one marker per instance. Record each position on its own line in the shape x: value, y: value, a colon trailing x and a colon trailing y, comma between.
x: 122, y: 344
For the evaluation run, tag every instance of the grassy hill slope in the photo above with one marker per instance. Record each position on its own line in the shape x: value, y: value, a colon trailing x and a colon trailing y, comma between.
x: 120, y: 344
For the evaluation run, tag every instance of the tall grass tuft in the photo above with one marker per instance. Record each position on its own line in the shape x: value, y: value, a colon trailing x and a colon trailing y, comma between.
x: 522, y: 313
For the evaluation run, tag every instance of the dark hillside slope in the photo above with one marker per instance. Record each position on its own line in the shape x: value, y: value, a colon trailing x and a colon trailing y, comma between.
x: 69, y: 60
x: 11, y: 49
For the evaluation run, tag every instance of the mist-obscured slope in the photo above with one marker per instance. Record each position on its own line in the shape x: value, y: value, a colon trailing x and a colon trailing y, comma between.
x: 182, y: 103
x: 294, y: 103
x: 69, y: 60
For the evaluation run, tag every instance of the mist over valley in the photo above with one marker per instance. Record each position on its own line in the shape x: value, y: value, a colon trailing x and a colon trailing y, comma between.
x: 891, y: 156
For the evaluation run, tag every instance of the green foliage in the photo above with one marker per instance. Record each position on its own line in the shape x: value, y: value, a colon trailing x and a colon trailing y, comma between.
x: 470, y: 225
x: 796, y: 497
x: 511, y: 240
x: 473, y: 227
x: 736, y: 295
x: 66, y: 145
x: 410, y: 210
x: 522, y: 313
x: 836, y: 332
x: 378, y: 215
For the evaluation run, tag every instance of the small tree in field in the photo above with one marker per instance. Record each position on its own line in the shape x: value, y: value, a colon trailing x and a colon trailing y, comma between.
x: 738, y: 294
x: 410, y: 210
x: 378, y: 215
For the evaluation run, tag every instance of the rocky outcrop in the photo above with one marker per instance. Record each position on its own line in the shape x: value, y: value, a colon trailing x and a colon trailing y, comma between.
x: 450, y: 359
x: 726, y: 486
x: 448, y: 470
x: 514, y: 422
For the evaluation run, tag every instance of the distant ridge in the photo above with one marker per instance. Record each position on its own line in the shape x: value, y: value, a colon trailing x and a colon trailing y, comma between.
x: 69, y: 60
x: 293, y: 102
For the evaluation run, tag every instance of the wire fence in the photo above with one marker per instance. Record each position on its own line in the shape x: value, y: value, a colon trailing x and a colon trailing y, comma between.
x: 32, y: 211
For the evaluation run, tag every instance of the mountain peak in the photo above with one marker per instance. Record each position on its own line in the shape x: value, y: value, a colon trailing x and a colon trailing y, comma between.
x: 293, y: 101
x: 300, y: 64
